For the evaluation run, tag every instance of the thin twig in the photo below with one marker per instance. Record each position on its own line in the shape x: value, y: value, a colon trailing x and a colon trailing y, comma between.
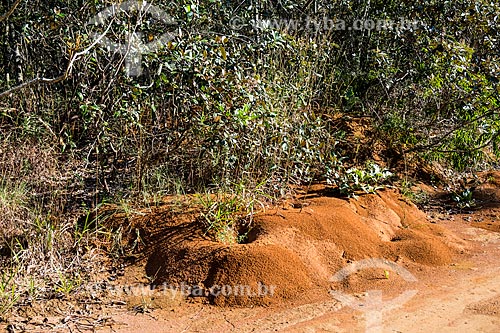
x: 192, y: 320
x: 451, y: 131
x: 61, y: 77
x: 11, y: 10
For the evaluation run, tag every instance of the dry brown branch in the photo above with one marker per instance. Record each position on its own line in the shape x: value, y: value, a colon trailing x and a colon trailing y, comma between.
x: 11, y: 10
x: 62, y: 77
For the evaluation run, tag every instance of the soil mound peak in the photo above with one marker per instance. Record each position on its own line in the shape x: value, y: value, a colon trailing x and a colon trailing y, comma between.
x: 292, y: 253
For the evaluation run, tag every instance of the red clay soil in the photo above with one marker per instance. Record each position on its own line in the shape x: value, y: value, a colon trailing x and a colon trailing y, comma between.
x: 298, y: 248
x: 295, y: 250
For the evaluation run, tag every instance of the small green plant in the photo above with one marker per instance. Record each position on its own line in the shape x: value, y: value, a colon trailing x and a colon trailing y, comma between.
x: 93, y: 224
x: 12, y: 195
x: 67, y: 284
x: 464, y: 199
x: 368, y: 180
x: 229, y: 216
x: 8, y: 291
x: 221, y: 213
x: 126, y: 207
x: 32, y: 287
x: 416, y: 196
x: 84, y: 228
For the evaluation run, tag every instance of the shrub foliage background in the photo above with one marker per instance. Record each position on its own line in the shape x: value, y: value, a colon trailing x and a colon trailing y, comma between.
x: 222, y: 103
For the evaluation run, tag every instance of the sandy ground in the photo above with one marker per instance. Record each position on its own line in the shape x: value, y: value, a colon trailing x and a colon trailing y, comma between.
x: 459, y: 295
x: 462, y: 297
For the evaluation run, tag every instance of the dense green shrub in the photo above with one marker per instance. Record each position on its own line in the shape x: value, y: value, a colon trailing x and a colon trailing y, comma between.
x: 220, y: 103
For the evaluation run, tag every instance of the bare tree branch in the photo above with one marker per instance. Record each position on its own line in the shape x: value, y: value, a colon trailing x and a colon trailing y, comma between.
x: 441, y: 138
x: 34, y: 81
x: 11, y: 10
x: 66, y: 73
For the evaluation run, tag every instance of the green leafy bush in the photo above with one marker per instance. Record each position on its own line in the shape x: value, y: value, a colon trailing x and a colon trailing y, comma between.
x: 366, y: 180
